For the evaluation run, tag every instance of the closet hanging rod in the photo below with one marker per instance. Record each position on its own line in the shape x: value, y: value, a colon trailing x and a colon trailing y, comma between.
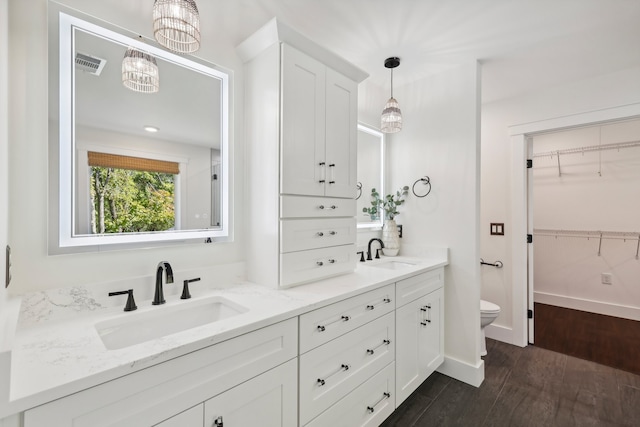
x: 580, y: 150
x: 587, y: 234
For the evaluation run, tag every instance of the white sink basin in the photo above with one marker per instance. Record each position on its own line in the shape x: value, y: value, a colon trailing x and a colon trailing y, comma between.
x: 393, y: 265
x: 135, y: 328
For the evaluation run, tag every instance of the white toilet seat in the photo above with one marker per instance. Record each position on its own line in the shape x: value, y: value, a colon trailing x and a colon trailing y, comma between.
x: 487, y: 307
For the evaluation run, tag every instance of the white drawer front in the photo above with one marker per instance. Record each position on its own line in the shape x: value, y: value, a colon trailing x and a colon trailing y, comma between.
x: 414, y: 287
x: 332, y: 371
x: 307, y: 266
x: 304, y: 234
x: 316, y: 207
x: 326, y: 323
x: 368, y: 405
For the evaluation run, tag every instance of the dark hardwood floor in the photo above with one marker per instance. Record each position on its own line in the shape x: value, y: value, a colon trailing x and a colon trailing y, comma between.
x: 607, y: 340
x: 527, y: 386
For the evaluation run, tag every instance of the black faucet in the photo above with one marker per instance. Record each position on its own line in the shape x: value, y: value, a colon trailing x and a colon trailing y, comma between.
x: 369, y: 248
x: 163, y: 266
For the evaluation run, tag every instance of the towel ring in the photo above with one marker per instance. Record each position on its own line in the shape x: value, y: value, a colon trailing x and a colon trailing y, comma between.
x: 359, y: 188
x: 425, y: 181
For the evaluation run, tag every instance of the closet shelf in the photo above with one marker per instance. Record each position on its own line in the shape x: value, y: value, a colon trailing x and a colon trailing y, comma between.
x: 592, y: 234
x: 581, y: 150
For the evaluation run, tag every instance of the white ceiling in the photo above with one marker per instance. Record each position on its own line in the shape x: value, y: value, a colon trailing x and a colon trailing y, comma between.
x: 524, y: 45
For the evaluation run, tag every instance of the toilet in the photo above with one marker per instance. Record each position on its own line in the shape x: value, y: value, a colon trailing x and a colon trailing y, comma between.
x: 488, y: 313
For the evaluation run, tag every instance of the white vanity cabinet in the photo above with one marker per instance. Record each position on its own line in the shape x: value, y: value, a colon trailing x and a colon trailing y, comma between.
x: 419, y: 330
x: 319, y: 128
x: 301, y: 134
x: 343, y: 346
x: 254, y: 371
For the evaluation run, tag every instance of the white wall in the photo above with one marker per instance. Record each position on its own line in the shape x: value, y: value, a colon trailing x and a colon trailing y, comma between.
x: 440, y: 139
x: 596, y: 191
x: 600, y: 92
x: 28, y: 172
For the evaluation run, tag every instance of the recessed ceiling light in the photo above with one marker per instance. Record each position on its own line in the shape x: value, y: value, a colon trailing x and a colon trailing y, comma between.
x: 152, y: 129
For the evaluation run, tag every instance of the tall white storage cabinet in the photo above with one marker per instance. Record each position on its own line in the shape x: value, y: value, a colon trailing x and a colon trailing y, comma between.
x: 301, y: 128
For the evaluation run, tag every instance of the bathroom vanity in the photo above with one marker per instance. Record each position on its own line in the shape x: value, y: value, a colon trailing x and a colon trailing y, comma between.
x: 334, y: 352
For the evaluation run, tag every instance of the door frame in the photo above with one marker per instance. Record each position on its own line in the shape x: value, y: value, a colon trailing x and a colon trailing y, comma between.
x: 520, y: 144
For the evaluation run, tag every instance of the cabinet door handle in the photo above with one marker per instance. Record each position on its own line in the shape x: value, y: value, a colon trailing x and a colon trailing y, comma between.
x: 320, y: 234
x: 425, y: 322
x: 332, y: 261
x: 320, y: 263
x: 332, y: 165
x: 321, y: 164
x: 322, y: 328
x: 373, y: 350
x: 333, y: 233
x: 334, y: 207
x: 332, y: 182
x: 384, y: 300
x: 218, y: 422
x: 321, y: 207
x: 344, y: 367
x: 321, y: 181
x: 372, y: 408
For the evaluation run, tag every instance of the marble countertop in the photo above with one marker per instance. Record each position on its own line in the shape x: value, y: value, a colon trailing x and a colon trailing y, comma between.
x: 57, y: 355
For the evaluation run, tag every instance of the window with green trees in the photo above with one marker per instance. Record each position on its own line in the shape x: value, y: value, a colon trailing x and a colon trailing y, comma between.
x: 129, y: 196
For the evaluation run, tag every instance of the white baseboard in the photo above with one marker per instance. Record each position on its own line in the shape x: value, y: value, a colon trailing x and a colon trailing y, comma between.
x: 462, y: 371
x: 500, y: 333
x: 616, y: 310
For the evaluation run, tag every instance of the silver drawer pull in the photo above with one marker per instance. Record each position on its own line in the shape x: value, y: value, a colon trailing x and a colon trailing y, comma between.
x: 320, y: 263
x: 322, y: 328
x: 385, y: 396
x: 343, y: 368
x: 373, y: 306
x: 320, y: 234
x: 333, y: 233
x: 373, y: 350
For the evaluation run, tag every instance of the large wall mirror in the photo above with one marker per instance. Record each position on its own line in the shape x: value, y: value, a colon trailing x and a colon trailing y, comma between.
x: 370, y: 174
x: 135, y: 166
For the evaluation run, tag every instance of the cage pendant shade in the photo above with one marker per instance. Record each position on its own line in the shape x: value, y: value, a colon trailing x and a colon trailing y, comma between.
x: 176, y: 25
x: 391, y: 120
x: 140, y: 72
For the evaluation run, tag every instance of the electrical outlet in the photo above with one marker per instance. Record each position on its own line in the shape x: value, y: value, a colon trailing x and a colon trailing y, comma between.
x: 607, y: 278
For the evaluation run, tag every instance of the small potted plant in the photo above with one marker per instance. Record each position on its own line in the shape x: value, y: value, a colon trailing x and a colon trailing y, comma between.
x: 376, y: 202
x: 390, y: 235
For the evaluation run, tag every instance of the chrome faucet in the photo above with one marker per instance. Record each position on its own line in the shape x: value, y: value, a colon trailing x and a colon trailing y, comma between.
x: 369, y: 248
x: 163, y: 266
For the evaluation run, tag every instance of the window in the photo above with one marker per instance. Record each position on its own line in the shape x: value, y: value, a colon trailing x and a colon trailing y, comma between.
x: 131, y: 194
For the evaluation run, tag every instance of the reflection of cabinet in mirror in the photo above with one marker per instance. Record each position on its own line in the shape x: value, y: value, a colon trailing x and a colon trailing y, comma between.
x: 93, y: 115
x: 301, y: 118
x: 370, y: 173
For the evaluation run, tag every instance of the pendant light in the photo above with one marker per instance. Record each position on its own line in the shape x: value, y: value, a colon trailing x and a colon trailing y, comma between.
x: 176, y: 25
x: 140, y: 72
x: 391, y: 120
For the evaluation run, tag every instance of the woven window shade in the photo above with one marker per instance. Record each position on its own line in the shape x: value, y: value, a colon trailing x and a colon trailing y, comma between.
x: 132, y: 163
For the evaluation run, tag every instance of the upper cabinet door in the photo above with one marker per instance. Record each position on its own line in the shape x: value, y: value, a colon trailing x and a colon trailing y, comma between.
x: 303, y: 124
x: 341, y: 135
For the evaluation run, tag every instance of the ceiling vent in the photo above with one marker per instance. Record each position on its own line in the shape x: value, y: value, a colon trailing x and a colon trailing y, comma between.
x: 89, y: 64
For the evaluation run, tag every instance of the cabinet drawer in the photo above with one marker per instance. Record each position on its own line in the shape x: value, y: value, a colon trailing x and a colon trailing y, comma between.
x: 303, y: 234
x: 324, y: 324
x: 414, y: 287
x: 368, y: 405
x: 316, y: 207
x: 330, y: 372
x: 315, y: 264
x: 154, y: 394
